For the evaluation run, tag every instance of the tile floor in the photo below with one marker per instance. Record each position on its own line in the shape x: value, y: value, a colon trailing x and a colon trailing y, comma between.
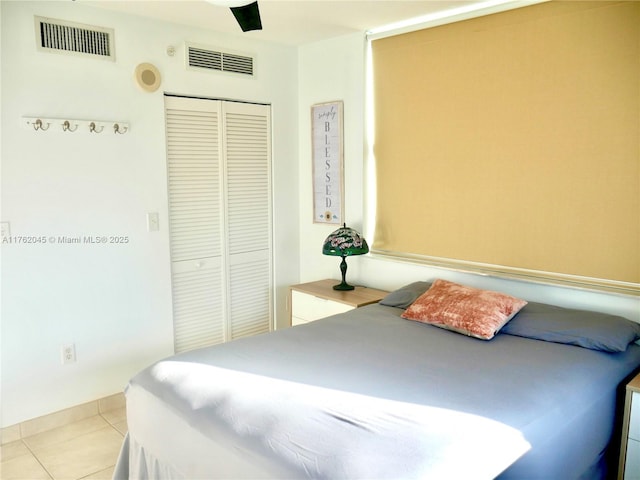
x: 84, y: 449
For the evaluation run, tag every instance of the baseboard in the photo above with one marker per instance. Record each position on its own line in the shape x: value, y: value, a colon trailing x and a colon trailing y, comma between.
x: 61, y: 418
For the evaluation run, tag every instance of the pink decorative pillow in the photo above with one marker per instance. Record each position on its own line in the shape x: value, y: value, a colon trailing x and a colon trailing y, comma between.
x: 474, y: 312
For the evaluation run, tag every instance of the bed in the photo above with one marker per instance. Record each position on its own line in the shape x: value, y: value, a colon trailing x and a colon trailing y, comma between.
x: 370, y: 394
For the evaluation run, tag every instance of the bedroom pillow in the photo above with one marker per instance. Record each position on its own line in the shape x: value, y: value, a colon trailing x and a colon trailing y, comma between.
x: 405, y: 296
x: 593, y: 330
x: 468, y: 310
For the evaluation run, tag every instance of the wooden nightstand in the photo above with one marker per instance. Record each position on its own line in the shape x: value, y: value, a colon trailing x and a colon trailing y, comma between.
x: 315, y: 300
x: 629, y: 467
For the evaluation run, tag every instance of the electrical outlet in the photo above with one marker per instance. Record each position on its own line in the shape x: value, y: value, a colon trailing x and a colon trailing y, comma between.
x: 68, y: 353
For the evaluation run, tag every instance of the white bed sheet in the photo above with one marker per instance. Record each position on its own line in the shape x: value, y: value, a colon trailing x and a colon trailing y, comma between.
x: 160, y: 444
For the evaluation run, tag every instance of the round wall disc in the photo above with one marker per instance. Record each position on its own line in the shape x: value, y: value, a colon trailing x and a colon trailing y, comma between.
x: 147, y: 77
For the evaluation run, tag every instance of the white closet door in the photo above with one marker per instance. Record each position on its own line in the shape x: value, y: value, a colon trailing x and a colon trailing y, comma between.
x: 219, y: 171
x: 194, y: 151
x: 247, y: 156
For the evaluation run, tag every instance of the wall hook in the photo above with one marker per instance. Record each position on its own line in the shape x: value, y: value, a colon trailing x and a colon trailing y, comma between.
x: 38, y: 125
x: 118, y: 129
x: 93, y: 128
x: 66, y: 127
x: 68, y: 124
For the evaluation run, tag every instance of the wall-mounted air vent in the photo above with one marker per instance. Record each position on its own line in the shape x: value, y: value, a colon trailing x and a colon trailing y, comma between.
x: 73, y: 38
x: 199, y: 57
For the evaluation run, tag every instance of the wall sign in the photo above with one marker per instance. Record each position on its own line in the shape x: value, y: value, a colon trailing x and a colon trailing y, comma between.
x: 326, y: 133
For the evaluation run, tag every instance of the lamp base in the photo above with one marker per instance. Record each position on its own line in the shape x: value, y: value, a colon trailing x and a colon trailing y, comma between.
x: 343, y: 286
x: 343, y: 269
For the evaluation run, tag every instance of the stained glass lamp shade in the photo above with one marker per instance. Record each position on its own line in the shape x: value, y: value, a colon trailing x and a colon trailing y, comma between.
x: 344, y: 242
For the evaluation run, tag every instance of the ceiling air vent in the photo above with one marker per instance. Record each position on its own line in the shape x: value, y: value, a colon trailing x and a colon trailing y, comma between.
x: 73, y: 38
x: 198, y: 57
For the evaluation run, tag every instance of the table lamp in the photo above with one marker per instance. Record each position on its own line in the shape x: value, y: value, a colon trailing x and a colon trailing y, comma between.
x: 344, y: 242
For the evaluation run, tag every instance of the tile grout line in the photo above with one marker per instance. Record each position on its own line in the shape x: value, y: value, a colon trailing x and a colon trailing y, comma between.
x: 103, y: 409
x: 49, y: 474
x: 116, y: 459
x: 112, y: 425
x: 37, y: 459
x: 109, y: 424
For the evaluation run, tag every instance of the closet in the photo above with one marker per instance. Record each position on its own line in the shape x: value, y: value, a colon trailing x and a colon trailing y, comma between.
x: 219, y: 189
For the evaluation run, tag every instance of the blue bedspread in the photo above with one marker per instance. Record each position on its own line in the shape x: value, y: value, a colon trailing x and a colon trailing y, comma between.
x: 367, y: 394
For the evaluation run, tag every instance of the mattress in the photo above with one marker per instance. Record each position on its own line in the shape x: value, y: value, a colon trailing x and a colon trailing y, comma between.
x: 367, y: 394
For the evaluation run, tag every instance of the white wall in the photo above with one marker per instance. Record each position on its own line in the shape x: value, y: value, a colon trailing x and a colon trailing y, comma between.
x: 331, y: 70
x: 112, y: 301
x: 335, y: 70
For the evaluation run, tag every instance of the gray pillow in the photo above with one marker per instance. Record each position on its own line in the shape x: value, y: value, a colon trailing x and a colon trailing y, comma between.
x: 405, y: 296
x: 593, y: 330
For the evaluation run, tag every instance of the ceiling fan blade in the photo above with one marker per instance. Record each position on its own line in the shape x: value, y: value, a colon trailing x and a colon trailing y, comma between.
x: 248, y: 16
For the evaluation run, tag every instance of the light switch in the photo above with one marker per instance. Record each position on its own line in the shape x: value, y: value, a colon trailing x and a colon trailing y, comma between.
x: 153, y: 222
x: 5, y: 229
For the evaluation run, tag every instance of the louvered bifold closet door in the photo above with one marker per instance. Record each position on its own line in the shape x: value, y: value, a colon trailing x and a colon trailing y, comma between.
x: 194, y: 151
x: 248, y: 183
